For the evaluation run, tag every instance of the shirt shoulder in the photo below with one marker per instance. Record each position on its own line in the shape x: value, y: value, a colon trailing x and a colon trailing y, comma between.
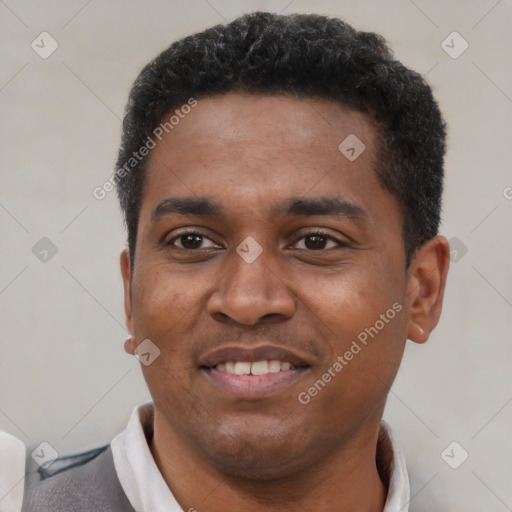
x: 84, y: 482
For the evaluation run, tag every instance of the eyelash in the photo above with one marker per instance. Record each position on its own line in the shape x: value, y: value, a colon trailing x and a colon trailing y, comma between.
x: 312, y: 233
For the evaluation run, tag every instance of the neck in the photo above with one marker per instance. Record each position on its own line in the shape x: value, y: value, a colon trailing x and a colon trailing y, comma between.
x: 348, y: 480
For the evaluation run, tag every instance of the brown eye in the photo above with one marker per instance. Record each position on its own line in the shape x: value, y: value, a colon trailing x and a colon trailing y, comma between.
x: 320, y: 241
x: 315, y: 241
x: 190, y: 241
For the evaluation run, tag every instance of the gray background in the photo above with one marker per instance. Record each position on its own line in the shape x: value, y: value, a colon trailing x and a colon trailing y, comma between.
x: 64, y: 377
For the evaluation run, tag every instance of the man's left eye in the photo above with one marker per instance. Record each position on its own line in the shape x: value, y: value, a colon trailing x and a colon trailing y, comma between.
x: 319, y: 241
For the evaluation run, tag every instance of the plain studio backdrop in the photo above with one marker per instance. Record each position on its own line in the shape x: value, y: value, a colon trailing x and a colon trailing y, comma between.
x: 64, y: 377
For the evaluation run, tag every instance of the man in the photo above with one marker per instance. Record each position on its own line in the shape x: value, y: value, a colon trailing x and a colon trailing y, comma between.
x: 281, y: 181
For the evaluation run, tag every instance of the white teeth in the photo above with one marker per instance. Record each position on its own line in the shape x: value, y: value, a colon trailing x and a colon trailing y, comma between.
x: 256, y: 368
x: 259, y: 368
x: 274, y: 366
x: 242, y: 368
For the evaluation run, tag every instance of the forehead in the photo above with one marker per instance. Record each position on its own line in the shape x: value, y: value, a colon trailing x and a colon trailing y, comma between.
x: 245, y: 122
x: 255, y: 150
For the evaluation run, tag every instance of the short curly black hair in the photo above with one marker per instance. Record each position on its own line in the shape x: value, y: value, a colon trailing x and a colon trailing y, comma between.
x: 298, y: 55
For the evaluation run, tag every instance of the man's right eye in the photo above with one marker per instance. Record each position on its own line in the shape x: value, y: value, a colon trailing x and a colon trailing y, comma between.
x: 190, y: 241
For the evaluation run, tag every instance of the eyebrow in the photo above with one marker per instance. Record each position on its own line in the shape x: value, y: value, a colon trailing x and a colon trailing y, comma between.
x: 332, y: 206
x: 202, y: 206
x: 295, y: 206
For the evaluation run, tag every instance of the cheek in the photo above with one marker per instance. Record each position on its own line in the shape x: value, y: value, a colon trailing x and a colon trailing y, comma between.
x: 161, y: 303
x: 348, y: 299
x: 164, y: 311
x: 360, y: 304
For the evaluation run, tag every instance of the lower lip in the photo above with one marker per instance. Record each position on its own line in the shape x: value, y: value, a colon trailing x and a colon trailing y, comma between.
x: 253, y: 386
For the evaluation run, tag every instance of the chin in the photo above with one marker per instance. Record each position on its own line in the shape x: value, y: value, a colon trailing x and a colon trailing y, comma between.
x: 256, y: 466
x: 255, y: 457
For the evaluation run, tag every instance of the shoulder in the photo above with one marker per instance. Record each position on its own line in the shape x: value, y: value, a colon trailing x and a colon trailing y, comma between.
x: 80, y: 483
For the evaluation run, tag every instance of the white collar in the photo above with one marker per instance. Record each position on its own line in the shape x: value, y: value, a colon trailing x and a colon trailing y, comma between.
x: 398, y: 490
x: 136, y: 469
x: 147, y: 491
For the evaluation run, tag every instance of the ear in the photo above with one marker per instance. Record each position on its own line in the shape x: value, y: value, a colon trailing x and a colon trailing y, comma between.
x: 126, y: 272
x: 427, y: 281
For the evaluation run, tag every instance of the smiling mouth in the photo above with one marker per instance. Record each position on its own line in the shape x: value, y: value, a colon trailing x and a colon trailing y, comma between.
x: 263, y: 367
x: 256, y: 372
x: 256, y: 380
x: 250, y: 372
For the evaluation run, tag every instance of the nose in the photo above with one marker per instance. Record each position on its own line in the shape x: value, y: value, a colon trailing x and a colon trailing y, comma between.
x: 251, y: 293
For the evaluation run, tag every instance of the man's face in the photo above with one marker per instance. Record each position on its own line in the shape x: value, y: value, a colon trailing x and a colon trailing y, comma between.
x: 331, y: 267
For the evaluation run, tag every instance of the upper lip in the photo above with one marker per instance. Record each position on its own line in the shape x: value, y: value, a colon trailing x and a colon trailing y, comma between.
x: 253, y: 354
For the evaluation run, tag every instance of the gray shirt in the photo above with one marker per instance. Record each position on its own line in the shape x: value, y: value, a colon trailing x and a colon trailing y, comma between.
x: 82, y: 483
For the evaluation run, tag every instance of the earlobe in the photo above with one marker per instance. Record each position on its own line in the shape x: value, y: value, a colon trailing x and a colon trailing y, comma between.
x: 417, y: 333
x: 427, y: 281
x: 126, y: 273
x: 129, y: 345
